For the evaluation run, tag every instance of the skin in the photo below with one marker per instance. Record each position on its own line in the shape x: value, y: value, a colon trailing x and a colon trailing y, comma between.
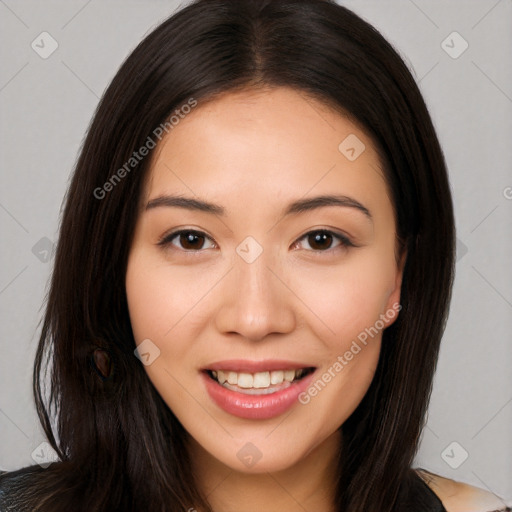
x: 461, y: 497
x: 253, y: 152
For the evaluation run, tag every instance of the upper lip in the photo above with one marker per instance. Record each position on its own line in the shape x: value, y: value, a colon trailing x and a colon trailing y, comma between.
x: 244, y: 365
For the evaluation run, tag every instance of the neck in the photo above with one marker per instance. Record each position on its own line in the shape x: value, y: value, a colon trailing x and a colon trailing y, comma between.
x: 307, y: 485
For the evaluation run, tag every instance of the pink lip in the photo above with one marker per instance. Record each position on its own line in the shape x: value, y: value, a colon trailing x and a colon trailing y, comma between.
x: 240, y: 365
x: 256, y: 407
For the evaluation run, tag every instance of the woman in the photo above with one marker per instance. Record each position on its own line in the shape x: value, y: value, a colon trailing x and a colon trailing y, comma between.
x: 252, y: 277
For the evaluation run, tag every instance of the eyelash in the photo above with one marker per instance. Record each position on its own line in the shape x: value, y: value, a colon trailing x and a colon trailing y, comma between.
x: 344, y: 242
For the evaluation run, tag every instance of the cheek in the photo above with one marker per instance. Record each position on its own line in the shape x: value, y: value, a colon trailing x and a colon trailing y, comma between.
x: 170, y: 305
x: 160, y: 303
x: 348, y: 303
x: 159, y: 297
x: 346, y: 299
x: 149, y: 302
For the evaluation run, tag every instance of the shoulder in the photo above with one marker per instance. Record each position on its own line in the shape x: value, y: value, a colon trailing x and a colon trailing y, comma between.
x: 462, y: 497
x: 12, y: 479
x: 16, y: 487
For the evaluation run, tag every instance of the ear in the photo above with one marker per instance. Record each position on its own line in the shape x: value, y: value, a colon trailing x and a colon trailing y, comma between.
x: 393, y: 305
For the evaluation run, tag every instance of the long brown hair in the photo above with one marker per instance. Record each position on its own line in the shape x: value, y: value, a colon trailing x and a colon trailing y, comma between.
x: 121, y: 447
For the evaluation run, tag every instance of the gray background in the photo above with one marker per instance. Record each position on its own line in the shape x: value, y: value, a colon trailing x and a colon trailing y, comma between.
x: 46, y: 107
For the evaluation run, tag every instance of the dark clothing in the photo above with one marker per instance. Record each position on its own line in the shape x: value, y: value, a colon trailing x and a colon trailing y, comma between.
x: 14, y: 486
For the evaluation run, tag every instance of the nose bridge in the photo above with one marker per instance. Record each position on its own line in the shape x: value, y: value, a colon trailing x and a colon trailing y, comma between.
x: 254, y: 283
x: 257, y: 303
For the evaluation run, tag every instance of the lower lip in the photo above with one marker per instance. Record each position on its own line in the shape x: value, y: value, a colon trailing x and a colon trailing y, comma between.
x: 256, y: 407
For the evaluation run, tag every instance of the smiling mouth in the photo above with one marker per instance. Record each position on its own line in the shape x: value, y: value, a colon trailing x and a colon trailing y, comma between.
x: 259, y: 383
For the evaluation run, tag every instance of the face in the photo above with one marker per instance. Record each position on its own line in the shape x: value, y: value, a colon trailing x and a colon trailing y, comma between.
x: 239, y: 273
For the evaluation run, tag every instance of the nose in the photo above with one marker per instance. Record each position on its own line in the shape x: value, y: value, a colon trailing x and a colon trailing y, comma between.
x: 255, y: 301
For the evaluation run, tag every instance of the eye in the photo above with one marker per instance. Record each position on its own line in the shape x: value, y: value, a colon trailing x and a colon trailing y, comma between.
x: 188, y: 240
x: 322, y: 240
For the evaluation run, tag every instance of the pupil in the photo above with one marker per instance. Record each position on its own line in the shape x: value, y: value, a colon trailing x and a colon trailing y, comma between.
x: 189, y: 238
x: 319, y: 238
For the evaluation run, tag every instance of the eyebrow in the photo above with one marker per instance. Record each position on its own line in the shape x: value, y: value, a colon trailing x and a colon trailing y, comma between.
x: 296, y: 207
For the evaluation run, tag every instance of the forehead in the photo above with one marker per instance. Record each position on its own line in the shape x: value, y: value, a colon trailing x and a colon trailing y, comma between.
x: 260, y: 146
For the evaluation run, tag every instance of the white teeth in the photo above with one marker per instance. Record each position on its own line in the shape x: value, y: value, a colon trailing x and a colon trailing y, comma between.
x: 259, y: 380
x: 276, y: 377
x: 289, y: 375
x: 245, y: 380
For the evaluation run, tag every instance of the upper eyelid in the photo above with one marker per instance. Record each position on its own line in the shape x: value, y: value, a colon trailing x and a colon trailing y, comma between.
x: 343, y: 239
x: 166, y: 238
